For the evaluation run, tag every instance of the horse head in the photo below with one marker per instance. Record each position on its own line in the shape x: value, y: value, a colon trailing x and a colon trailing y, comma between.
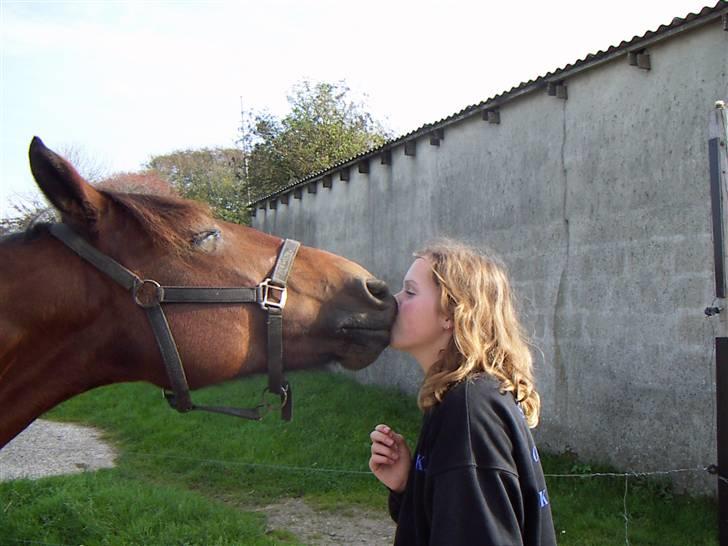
x: 65, y: 327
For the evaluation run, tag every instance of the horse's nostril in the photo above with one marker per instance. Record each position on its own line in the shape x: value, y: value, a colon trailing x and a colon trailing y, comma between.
x: 377, y: 288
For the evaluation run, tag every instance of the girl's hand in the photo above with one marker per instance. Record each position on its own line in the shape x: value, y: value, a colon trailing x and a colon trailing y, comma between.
x: 390, y: 460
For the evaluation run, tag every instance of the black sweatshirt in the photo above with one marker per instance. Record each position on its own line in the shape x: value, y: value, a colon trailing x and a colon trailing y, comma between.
x: 476, y: 476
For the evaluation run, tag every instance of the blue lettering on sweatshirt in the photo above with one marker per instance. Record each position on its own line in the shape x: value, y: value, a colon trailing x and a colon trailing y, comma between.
x: 543, y: 499
x: 420, y: 463
x: 534, y: 454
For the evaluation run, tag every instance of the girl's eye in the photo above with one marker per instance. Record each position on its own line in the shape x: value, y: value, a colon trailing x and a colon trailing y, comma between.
x: 409, y: 292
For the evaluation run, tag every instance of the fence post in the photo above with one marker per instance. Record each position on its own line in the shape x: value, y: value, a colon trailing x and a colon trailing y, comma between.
x: 717, y: 167
x: 721, y: 407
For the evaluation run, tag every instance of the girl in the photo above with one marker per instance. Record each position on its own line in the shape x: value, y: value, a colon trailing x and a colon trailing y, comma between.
x: 475, y: 477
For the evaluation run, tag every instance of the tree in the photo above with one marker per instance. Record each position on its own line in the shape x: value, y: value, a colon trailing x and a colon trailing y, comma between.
x: 323, y: 127
x: 92, y: 169
x: 24, y: 212
x: 213, y: 175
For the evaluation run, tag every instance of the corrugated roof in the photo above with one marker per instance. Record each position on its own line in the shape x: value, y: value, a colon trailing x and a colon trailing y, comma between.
x: 677, y: 25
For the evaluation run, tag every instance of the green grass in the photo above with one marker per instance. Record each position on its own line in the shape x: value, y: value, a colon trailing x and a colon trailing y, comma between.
x: 103, y: 508
x: 222, y: 456
x: 193, y: 479
x: 589, y: 511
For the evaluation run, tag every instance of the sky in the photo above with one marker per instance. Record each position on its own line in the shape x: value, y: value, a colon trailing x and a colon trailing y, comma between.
x: 115, y: 83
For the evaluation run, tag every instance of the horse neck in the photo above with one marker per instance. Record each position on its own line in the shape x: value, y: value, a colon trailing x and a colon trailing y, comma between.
x: 49, y: 339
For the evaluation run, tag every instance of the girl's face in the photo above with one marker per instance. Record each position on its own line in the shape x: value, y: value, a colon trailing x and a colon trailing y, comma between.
x: 420, y: 328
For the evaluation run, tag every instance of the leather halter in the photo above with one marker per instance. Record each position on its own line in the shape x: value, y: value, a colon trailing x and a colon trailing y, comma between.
x: 149, y: 294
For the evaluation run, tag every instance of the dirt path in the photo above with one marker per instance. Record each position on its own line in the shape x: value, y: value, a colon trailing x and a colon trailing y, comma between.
x: 47, y: 448
x: 328, y: 528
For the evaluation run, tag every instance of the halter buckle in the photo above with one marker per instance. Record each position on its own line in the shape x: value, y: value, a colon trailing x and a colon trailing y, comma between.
x: 264, y: 292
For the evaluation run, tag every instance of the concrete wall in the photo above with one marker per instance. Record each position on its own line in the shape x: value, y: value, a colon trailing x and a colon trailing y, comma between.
x: 599, y: 205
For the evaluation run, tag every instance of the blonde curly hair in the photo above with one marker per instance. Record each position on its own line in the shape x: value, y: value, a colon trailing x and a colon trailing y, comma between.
x: 487, y: 336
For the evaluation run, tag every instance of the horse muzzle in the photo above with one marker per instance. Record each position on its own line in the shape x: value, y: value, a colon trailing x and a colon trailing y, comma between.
x: 365, y: 336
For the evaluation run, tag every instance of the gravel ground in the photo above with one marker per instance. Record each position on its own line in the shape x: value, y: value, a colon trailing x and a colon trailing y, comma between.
x: 329, y: 528
x: 47, y: 448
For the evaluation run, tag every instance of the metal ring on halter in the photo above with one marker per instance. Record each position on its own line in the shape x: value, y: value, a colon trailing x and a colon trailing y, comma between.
x: 283, y: 396
x: 150, y: 300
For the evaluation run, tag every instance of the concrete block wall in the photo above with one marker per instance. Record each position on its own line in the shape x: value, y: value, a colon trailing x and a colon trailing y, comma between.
x: 599, y: 205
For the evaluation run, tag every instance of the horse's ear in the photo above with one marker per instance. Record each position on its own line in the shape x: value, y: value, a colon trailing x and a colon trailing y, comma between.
x: 79, y: 203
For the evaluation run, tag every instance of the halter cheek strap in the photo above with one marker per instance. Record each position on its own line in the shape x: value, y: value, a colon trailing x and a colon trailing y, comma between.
x: 271, y: 295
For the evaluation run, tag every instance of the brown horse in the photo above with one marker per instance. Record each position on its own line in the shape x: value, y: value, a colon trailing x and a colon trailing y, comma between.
x: 66, y: 328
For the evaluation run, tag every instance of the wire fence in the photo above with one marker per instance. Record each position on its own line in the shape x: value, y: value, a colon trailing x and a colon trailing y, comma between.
x: 712, y: 469
x: 627, y: 476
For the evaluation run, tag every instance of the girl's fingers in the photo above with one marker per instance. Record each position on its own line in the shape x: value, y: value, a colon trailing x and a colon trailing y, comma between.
x: 388, y: 432
x: 380, y: 460
x: 380, y: 449
x: 385, y: 446
x: 382, y: 438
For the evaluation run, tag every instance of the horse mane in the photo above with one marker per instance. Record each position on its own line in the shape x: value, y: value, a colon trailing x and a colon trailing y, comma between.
x: 146, y: 182
x: 169, y: 221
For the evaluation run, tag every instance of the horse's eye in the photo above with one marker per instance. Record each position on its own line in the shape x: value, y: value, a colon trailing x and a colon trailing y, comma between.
x: 207, y: 237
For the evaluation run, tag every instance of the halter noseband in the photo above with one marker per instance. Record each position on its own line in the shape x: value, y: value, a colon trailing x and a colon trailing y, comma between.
x: 149, y: 294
